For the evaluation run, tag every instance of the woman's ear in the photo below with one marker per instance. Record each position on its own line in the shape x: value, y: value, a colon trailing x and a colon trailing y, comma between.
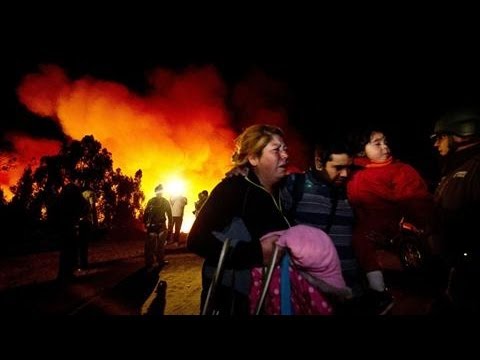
x: 253, y: 160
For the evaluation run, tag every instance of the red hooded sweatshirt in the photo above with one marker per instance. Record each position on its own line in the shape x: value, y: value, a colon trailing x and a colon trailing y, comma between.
x: 380, y: 195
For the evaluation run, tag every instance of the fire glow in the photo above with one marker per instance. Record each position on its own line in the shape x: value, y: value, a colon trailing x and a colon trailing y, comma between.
x: 179, y: 129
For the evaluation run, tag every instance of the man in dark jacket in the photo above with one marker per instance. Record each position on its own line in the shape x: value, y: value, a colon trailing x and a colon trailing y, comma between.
x: 70, y: 208
x: 457, y: 207
x: 156, y: 213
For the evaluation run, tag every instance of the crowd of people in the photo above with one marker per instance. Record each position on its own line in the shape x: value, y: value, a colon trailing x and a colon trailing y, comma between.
x: 307, y: 242
x: 357, y: 194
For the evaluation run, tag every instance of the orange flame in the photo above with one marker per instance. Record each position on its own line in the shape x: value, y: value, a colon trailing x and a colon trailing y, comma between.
x: 180, y: 129
x: 28, y: 152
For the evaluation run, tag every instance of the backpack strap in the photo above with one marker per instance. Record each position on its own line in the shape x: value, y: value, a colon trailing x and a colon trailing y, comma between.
x: 297, y: 190
x: 333, y: 210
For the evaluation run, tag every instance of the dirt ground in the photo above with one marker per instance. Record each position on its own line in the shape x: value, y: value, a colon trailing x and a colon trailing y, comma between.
x: 22, y: 270
x: 183, y: 277
x: 183, y: 274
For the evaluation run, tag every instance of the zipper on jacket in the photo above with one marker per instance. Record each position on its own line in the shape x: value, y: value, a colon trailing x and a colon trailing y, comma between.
x: 278, y: 205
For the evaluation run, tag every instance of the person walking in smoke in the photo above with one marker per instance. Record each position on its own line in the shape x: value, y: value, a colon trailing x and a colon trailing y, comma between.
x: 156, y: 213
x: 87, y: 226
x: 178, y: 206
x: 202, y: 197
x: 71, y: 206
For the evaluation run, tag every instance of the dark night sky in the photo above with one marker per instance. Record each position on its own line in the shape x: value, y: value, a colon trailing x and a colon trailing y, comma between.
x: 402, y: 81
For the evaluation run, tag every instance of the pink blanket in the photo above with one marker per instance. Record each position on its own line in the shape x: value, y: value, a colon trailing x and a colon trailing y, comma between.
x: 313, y: 253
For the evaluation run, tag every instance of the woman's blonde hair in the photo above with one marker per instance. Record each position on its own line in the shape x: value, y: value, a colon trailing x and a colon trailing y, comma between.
x: 252, y: 141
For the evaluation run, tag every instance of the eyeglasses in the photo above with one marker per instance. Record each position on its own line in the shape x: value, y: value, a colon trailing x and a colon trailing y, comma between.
x: 438, y: 137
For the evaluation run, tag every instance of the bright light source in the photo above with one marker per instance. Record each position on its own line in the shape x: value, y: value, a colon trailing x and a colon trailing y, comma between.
x: 177, y: 187
x: 174, y: 187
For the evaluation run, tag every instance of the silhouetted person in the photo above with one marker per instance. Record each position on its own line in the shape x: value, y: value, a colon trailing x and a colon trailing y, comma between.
x: 202, y: 197
x: 88, y: 224
x: 178, y: 205
x: 71, y: 206
x: 156, y: 213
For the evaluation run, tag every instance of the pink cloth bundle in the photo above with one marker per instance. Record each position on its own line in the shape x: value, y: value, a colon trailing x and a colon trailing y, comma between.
x: 312, y: 251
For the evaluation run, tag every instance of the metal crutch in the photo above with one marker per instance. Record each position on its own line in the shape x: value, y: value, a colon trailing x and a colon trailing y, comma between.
x: 216, y: 277
x: 268, y: 279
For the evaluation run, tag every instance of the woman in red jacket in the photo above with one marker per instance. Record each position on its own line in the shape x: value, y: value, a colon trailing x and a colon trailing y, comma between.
x: 382, y: 192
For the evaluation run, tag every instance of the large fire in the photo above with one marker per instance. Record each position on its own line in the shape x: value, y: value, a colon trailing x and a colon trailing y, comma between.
x: 180, y: 129
x: 26, y: 153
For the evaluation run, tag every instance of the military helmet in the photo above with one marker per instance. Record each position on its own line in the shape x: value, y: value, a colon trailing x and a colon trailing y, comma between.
x: 460, y: 123
x: 159, y: 189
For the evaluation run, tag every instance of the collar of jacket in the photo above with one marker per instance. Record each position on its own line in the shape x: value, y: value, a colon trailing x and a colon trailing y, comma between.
x: 454, y: 160
x: 253, y: 178
x: 367, y: 163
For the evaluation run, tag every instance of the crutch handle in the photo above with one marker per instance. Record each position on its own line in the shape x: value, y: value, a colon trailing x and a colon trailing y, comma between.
x: 268, y: 279
x: 216, y: 277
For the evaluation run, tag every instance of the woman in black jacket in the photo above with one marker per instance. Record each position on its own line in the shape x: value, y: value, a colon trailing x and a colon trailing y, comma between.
x: 254, y: 199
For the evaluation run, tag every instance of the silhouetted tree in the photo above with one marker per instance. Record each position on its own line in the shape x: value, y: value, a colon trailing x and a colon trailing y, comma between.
x: 128, y: 199
x: 3, y: 201
x: 86, y: 162
x: 23, y: 191
x: 21, y: 214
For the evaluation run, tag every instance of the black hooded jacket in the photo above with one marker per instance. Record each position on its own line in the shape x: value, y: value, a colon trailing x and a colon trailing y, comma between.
x: 241, y: 197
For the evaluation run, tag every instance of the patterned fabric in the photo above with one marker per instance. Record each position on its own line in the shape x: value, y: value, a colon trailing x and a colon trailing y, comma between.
x: 306, y: 300
x: 312, y: 251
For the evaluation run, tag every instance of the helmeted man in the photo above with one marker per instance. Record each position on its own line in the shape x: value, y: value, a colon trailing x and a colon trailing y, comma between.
x: 457, y: 207
x: 157, y: 211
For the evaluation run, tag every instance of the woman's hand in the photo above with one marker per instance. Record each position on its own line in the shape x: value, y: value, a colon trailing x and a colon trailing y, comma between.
x: 268, y: 247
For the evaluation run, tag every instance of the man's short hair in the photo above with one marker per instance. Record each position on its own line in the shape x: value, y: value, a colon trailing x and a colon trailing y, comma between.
x: 325, y: 150
x: 158, y: 189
